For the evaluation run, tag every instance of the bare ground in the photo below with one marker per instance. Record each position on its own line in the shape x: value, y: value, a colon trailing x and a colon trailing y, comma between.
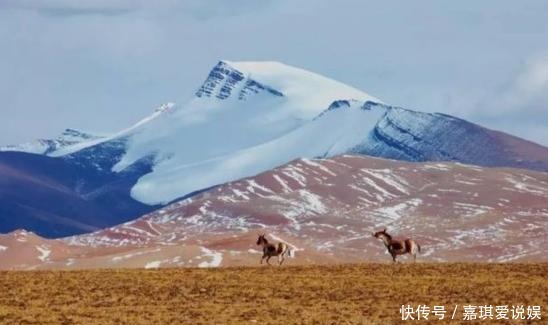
x: 341, y: 294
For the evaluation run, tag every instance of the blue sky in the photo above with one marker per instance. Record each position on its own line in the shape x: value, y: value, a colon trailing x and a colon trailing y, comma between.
x: 101, y: 65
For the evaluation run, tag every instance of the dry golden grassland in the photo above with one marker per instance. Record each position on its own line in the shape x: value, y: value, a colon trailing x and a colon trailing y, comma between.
x: 342, y: 294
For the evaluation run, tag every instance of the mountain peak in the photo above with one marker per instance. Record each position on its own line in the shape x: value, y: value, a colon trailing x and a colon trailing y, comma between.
x: 241, y: 80
x: 76, y: 135
x: 225, y: 79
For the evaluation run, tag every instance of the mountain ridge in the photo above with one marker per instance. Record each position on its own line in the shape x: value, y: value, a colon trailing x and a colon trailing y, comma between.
x: 68, y: 137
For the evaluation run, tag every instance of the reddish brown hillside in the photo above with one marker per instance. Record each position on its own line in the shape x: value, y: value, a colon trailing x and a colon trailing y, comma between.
x: 326, y: 210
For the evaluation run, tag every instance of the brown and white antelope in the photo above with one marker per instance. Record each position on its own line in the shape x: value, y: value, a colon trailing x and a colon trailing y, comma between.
x: 270, y: 250
x: 398, y: 247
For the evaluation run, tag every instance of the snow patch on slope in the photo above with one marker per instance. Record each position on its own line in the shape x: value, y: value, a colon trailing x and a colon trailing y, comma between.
x: 44, y: 252
x: 216, y: 258
x: 153, y: 265
x: 395, y: 212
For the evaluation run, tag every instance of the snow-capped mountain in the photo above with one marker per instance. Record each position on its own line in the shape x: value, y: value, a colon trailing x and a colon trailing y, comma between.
x: 326, y: 210
x: 246, y: 118
x: 67, y: 138
x: 238, y: 107
x: 98, y: 175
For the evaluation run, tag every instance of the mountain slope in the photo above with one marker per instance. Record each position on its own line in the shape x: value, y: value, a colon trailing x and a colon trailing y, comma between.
x: 61, y: 193
x: 351, y: 126
x: 327, y: 210
x: 316, y: 138
x: 58, y: 197
x: 415, y: 136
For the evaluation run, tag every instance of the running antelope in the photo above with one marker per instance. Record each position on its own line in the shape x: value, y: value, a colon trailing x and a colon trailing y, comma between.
x: 398, y: 247
x: 270, y: 250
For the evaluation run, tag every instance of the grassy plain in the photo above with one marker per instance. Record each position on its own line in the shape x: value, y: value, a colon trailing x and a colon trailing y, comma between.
x: 341, y: 294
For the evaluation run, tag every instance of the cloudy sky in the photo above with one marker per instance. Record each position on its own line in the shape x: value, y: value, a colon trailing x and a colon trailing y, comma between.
x: 101, y: 65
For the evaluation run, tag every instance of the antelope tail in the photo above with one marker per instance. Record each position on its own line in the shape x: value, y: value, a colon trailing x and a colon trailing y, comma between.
x: 288, y: 252
x: 419, y: 246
